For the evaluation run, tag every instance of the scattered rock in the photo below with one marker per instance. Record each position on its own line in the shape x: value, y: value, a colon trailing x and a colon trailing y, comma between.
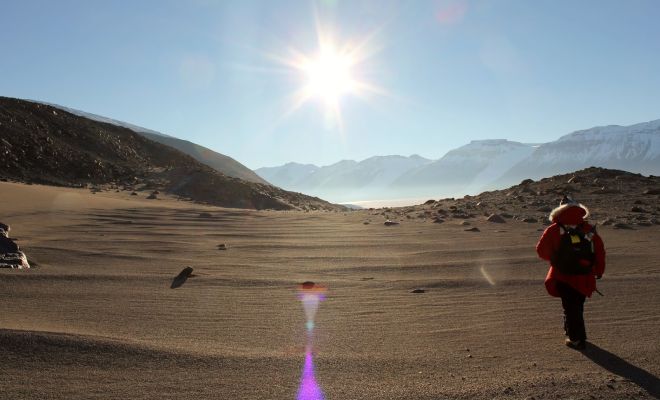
x: 438, y: 220
x: 366, y: 223
x: 607, y: 221
x: 428, y: 202
x: 205, y: 215
x: 652, y: 191
x: 530, y: 220
x: 308, y: 285
x: 495, y: 218
x: 638, y: 210
x: 621, y: 225
x: 152, y: 196
x: 465, y: 223
x: 473, y: 229
x: 181, y: 278
x: 572, y: 180
x: 526, y: 182
x: 390, y: 223
x: 506, y: 215
x: 418, y: 291
x: 222, y: 246
x: 544, y: 209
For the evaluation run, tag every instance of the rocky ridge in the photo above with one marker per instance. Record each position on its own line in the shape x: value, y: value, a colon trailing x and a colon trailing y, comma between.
x: 621, y: 199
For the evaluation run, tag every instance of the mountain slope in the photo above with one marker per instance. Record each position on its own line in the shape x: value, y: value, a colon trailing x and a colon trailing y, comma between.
x: 467, y: 168
x: 345, y: 180
x: 287, y: 175
x: 633, y: 148
x: 43, y: 144
x: 215, y: 160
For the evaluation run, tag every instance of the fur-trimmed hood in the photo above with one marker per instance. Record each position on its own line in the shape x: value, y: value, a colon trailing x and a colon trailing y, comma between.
x: 557, y: 212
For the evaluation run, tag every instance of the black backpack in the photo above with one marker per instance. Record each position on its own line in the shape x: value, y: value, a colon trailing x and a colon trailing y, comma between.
x: 7, y: 245
x: 575, y: 255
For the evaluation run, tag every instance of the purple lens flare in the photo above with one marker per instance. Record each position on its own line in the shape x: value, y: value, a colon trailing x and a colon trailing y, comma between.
x: 309, y: 389
x: 311, y: 295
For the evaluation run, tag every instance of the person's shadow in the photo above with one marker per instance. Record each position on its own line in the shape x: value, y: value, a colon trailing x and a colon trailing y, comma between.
x: 624, y: 369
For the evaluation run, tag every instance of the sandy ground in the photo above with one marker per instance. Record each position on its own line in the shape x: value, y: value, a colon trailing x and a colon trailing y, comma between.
x: 97, y: 318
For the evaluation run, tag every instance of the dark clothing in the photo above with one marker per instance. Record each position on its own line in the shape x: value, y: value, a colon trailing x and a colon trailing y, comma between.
x: 573, y: 303
x: 7, y: 245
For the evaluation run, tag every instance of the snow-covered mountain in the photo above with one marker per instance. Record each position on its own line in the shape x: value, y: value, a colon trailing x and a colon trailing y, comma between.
x: 634, y: 148
x: 477, y: 166
x: 345, y: 180
x: 215, y: 160
x: 288, y: 175
x: 466, y: 169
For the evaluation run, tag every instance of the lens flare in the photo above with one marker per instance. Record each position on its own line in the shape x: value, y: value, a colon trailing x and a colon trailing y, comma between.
x: 311, y: 295
x: 487, y: 276
x: 309, y: 389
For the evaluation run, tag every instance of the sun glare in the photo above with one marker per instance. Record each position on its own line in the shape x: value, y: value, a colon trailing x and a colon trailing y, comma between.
x: 329, y: 76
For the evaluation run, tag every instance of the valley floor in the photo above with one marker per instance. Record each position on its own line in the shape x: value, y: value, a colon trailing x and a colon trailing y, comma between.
x: 96, y: 317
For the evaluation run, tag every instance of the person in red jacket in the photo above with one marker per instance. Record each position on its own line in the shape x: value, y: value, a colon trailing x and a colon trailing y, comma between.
x: 569, y: 226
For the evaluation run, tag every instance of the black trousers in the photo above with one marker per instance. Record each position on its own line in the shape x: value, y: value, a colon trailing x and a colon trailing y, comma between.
x: 573, y: 303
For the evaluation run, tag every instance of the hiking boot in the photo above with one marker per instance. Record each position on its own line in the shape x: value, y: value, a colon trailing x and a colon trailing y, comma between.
x: 576, y: 344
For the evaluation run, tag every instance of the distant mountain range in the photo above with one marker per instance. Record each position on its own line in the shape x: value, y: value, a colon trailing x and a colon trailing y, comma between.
x: 478, y: 166
x: 470, y: 169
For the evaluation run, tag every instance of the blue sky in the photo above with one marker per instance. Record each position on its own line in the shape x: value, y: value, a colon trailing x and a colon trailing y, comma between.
x: 452, y: 70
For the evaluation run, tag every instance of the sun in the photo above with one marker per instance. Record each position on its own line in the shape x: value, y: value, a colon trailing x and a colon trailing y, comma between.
x: 332, y: 72
x: 329, y: 76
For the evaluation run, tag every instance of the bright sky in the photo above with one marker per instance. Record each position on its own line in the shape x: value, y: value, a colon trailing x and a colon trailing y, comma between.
x: 403, y: 77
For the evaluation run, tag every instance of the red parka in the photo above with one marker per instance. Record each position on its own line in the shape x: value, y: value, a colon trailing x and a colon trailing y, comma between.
x: 571, y: 214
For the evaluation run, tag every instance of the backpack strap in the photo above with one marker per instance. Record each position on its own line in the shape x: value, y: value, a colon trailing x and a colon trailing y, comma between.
x: 562, y: 228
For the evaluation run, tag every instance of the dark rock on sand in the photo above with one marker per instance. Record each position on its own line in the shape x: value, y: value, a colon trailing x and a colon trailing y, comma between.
x: 181, y: 278
x: 621, y: 225
x: 418, y: 291
x: 495, y: 218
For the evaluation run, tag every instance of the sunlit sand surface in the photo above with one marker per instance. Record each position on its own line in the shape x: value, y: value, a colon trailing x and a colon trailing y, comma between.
x: 96, y: 317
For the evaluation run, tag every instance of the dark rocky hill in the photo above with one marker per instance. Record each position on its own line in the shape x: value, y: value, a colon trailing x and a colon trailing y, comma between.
x: 215, y: 160
x: 618, y: 198
x: 43, y: 144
